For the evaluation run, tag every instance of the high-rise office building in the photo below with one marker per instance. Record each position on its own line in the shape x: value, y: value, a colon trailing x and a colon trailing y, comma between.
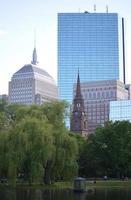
x: 32, y: 85
x: 92, y: 42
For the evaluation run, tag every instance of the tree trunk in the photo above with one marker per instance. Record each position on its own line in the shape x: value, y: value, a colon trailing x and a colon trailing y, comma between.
x: 47, y: 175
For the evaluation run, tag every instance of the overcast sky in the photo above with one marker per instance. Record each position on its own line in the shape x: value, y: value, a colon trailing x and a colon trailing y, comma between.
x: 18, y: 19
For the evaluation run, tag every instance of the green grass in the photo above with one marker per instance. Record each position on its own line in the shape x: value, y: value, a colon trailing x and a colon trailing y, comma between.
x: 69, y: 185
x: 109, y: 183
x: 57, y: 185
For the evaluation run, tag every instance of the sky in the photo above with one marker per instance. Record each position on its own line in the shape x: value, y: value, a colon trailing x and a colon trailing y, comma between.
x: 19, y: 19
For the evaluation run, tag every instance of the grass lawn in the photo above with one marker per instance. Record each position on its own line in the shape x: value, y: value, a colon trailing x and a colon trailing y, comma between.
x: 98, y: 184
x: 69, y: 185
x: 110, y: 183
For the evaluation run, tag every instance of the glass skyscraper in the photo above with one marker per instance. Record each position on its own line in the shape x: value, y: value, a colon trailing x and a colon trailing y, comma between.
x: 120, y: 110
x: 92, y: 43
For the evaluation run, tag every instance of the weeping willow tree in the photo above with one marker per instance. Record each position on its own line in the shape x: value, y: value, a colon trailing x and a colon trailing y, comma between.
x: 65, y: 148
x: 36, y: 143
x: 33, y: 143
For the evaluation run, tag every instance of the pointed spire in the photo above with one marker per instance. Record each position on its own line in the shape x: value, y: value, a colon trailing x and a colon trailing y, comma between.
x: 78, y: 87
x: 94, y: 7
x: 34, y: 55
x: 34, y: 38
x: 106, y: 8
x: 79, y: 117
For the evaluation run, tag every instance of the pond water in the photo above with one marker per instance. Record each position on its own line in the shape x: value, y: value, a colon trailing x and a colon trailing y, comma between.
x: 38, y: 194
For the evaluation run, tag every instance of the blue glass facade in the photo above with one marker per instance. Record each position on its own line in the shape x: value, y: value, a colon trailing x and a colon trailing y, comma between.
x: 91, y: 42
x: 120, y: 110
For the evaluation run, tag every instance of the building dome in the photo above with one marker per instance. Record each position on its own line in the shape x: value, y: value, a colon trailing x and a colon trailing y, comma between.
x: 31, y: 84
x: 32, y: 70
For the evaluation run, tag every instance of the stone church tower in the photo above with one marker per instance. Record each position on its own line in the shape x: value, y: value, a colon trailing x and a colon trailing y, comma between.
x: 79, y: 116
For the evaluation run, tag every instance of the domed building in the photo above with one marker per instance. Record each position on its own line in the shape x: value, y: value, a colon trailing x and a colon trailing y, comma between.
x: 32, y: 85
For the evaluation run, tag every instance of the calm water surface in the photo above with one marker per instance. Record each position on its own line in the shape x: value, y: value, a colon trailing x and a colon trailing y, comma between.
x: 38, y: 194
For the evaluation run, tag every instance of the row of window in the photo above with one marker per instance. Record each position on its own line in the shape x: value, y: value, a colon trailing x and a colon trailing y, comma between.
x: 21, y: 97
x: 17, y: 86
x: 98, y: 95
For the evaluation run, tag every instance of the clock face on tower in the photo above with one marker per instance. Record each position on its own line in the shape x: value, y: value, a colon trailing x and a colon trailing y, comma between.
x: 77, y: 114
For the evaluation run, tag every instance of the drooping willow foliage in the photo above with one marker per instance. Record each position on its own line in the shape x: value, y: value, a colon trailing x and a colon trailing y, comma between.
x: 35, y: 145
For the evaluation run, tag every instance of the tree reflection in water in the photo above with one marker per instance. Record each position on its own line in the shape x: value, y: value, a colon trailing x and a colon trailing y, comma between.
x: 39, y: 194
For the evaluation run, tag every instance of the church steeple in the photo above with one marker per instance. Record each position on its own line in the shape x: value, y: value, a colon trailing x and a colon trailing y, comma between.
x: 78, y: 87
x: 34, y: 55
x: 79, y: 116
x: 78, y: 100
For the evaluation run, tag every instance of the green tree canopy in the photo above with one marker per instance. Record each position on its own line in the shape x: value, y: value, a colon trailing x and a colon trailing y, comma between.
x: 108, y: 151
x: 35, y: 142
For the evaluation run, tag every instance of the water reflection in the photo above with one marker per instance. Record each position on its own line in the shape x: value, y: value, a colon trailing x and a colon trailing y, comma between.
x: 38, y: 194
